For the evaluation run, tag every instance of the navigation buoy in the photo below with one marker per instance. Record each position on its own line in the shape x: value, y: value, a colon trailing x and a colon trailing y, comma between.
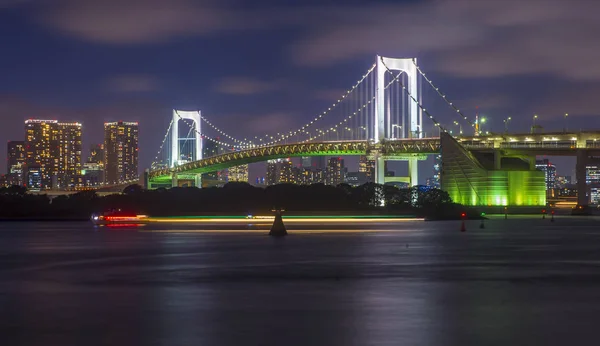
x: 463, y: 228
x: 552, y: 219
x: 482, y: 220
x: 278, y: 228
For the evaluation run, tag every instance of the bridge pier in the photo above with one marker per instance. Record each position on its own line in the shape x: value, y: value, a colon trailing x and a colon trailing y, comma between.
x: 379, y: 170
x: 413, y: 170
x: 198, y: 181
x: 174, y: 181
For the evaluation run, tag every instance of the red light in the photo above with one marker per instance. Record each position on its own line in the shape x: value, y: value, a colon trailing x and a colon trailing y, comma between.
x: 544, y: 211
x: 463, y: 214
x: 553, y: 212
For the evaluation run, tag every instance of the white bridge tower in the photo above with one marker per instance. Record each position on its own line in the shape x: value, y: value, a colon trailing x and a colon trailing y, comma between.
x: 383, y: 129
x: 194, y: 116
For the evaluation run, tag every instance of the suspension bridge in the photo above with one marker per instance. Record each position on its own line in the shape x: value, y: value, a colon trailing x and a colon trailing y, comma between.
x: 381, y: 117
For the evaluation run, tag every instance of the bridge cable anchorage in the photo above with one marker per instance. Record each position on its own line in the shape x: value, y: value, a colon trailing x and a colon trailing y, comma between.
x: 423, y: 109
x: 162, y: 144
x: 307, y: 125
x: 359, y: 110
x: 443, y: 96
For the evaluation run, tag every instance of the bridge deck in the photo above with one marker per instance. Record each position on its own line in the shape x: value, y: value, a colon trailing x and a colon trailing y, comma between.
x: 530, y: 144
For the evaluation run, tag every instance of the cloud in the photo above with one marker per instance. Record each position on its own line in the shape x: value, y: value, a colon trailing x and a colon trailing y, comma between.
x: 132, y: 83
x: 137, y: 21
x: 471, y: 39
x: 245, y: 86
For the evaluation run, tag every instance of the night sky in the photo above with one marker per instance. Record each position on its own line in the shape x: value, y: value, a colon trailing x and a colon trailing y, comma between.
x: 269, y: 66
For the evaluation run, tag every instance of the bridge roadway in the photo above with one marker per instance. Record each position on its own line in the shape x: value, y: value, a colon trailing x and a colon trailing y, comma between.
x: 560, y: 143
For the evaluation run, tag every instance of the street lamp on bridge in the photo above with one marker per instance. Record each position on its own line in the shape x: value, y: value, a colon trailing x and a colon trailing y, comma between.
x: 481, y: 122
x: 506, y: 121
x: 566, y: 127
x: 460, y: 132
x: 533, y: 126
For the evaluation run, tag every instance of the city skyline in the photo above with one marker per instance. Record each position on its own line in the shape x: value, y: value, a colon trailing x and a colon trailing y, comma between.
x: 245, y: 68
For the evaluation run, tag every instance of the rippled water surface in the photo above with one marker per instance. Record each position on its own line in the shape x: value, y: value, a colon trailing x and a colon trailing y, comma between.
x: 516, y: 282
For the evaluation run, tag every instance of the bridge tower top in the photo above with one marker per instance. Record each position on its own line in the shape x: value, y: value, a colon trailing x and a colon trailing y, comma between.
x: 382, y: 124
x: 194, y: 116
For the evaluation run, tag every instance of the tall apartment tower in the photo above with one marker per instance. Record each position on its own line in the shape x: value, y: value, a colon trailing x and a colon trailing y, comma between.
x: 335, y: 171
x: 41, y: 149
x: 238, y: 173
x: 55, y: 150
x: 120, y: 152
x: 367, y: 167
x: 15, y: 156
x: 69, y: 153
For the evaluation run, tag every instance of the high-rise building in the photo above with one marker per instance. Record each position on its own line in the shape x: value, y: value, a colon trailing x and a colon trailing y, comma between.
x: 335, y: 171
x: 239, y: 173
x: 367, y: 167
x: 120, y: 152
x: 41, y: 150
x: 55, y: 150
x: 549, y: 170
x: 33, y: 176
x: 592, y: 177
x: 279, y: 171
x: 68, y: 166
x: 15, y: 156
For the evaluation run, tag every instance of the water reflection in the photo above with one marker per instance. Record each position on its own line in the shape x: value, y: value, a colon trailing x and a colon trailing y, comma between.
x: 424, y: 284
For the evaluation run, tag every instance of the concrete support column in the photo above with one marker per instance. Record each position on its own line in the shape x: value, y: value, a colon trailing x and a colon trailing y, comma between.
x: 413, y: 171
x: 497, y: 159
x: 198, y: 181
x: 580, y: 172
x: 379, y: 170
x: 174, y: 182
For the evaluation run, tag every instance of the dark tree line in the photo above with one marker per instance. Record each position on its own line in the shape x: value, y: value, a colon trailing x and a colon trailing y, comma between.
x: 233, y: 198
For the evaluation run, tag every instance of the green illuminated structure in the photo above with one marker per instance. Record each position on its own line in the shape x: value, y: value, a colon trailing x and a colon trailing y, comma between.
x: 392, y: 150
x: 489, y: 178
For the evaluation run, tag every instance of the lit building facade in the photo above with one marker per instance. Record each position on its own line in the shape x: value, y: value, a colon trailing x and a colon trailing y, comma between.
x: 239, y: 173
x: 592, y: 179
x: 120, y: 152
x: 549, y: 172
x: 41, y: 150
x: 335, y: 171
x: 367, y: 167
x: 15, y: 156
x: 33, y: 177
x: 68, y: 167
x: 55, y: 150
x: 279, y: 171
